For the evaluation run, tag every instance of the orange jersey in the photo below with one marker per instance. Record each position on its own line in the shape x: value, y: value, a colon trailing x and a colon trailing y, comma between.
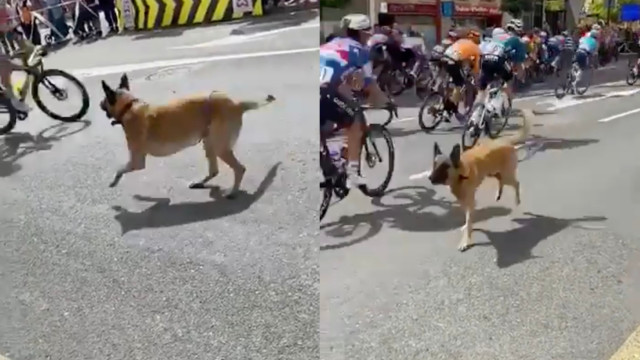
x: 465, y: 50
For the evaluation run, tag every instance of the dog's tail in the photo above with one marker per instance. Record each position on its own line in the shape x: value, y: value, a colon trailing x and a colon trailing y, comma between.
x: 523, y: 133
x: 252, y: 105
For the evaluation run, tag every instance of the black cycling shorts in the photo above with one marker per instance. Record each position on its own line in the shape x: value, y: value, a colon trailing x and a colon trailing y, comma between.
x: 454, y: 69
x: 493, y: 67
x: 335, y: 108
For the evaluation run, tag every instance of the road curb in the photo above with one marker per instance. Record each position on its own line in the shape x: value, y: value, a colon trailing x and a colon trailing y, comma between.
x: 630, y: 349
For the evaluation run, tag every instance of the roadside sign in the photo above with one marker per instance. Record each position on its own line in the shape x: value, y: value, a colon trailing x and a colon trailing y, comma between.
x: 383, y: 7
x: 446, y: 8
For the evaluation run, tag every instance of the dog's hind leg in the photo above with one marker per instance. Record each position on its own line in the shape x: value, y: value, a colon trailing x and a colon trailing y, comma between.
x: 500, y: 186
x: 513, y: 182
x: 238, y: 170
x: 210, y: 152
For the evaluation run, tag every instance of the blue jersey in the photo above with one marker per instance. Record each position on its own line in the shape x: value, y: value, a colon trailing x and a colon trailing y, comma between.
x: 557, y: 42
x: 588, y: 44
x: 340, y: 57
x: 514, y: 47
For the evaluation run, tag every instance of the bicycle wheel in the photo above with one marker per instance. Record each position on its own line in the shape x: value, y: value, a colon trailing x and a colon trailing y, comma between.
x: 44, y: 78
x: 471, y: 129
x: 373, y: 157
x: 586, y: 78
x: 7, y: 108
x: 494, y: 129
x: 327, y: 193
x: 631, y: 77
x: 434, y: 106
x: 562, y: 86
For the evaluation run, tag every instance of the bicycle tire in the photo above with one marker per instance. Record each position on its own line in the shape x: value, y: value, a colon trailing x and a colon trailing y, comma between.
x: 402, y: 88
x: 470, y: 125
x: 560, y: 90
x: 586, y: 88
x: 379, y: 191
x: 327, y: 193
x: 13, y: 116
x: 55, y: 72
x: 437, y: 119
x: 490, y: 130
x: 631, y: 78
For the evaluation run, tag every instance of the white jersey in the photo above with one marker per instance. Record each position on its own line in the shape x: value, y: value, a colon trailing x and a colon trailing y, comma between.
x: 491, y: 50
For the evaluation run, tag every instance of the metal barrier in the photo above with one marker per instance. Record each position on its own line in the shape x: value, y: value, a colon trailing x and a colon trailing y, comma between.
x: 154, y: 14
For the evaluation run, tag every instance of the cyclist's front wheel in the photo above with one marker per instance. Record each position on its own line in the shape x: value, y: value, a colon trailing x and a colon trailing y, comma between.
x: 561, y: 87
x: 327, y: 192
x: 631, y: 77
x: 373, y: 156
x: 8, y: 116
x: 472, y: 131
x: 46, y: 79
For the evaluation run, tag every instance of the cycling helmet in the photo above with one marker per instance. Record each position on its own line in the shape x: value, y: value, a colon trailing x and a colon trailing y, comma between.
x: 474, y: 36
x: 355, y: 22
x: 543, y: 34
x: 453, y: 34
x: 596, y: 27
x: 514, y: 25
x: 565, y: 33
x: 498, y: 32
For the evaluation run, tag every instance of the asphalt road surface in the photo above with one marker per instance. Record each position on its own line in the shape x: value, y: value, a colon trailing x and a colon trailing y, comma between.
x: 151, y: 269
x: 556, y: 278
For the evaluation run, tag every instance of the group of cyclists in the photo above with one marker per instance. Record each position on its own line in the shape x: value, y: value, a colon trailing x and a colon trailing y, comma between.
x: 497, y: 54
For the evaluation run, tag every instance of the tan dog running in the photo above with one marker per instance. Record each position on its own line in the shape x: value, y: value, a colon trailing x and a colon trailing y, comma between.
x: 464, y: 172
x: 164, y: 130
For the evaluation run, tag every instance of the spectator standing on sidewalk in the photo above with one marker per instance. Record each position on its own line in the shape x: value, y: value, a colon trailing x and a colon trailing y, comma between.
x: 8, y: 24
x: 28, y: 23
x: 108, y: 7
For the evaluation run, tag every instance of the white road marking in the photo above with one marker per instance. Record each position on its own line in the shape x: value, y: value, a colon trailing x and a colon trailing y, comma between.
x: 114, y: 69
x: 421, y: 175
x: 626, y: 113
x: 238, y: 39
x: 569, y: 102
x: 404, y: 119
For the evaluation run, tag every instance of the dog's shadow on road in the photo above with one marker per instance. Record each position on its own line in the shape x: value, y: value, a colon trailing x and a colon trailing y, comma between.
x: 516, y: 245
x: 17, y: 145
x: 165, y: 214
x: 414, y: 213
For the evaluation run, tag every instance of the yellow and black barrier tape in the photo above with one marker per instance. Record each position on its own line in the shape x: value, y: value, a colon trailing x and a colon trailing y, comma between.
x: 155, y: 14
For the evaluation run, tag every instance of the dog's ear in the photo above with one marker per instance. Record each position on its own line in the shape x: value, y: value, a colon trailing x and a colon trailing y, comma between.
x: 436, y: 150
x: 455, y: 156
x: 124, y: 82
x: 109, y: 93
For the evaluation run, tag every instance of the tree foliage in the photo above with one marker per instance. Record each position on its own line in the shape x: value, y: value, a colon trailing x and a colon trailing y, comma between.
x: 517, y: 7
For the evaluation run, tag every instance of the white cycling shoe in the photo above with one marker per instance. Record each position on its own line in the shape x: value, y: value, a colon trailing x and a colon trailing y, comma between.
x: 20, y: 105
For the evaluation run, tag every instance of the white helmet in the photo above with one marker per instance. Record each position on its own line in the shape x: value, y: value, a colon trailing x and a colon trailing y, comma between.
x: 355, y: 22
x: 514, y: 25
x: 498, y: 32
x: 596, y: 27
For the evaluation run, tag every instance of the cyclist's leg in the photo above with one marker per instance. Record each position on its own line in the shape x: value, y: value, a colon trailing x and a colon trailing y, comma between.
x: 344, y: 111
x: 6, y: 68
x: 506, y: 73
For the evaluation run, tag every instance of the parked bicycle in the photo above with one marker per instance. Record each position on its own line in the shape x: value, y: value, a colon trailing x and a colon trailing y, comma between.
x: 333, y: 163
x: 494, y: 110
x: 37, y: 75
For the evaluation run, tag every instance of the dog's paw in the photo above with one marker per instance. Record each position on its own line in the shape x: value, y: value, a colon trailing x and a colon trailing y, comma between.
x: 231, y: 195
x: 197, y: 185
x: 464, y: 245
x: 113, y: 184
